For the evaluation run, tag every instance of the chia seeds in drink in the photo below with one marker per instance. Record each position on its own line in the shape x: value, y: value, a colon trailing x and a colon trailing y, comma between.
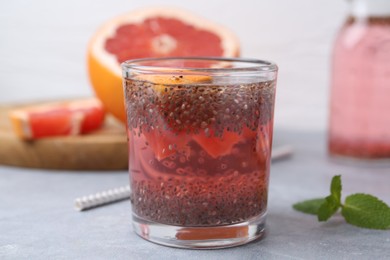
x: 199, y: 153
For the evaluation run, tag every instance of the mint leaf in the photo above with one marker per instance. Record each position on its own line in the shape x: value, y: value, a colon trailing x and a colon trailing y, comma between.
x: 362, y: 210
x: 366, y: 211
x: 309, y: 206
x: 328, y: 208
x: 335, y: 188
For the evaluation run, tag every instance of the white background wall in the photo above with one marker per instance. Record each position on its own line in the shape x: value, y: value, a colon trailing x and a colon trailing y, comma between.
x: 43, y: 46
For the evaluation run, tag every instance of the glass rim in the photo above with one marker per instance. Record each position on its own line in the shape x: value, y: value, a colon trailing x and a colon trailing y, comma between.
x: 258, y: 64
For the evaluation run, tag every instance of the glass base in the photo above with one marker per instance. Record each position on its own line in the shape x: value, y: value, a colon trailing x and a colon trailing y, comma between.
x: 212, y: 237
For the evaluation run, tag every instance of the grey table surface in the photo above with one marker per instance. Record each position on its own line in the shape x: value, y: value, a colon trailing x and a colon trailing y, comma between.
x: 37, y: 219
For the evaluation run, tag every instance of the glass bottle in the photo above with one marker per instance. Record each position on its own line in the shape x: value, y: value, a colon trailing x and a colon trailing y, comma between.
x: 360, y: 93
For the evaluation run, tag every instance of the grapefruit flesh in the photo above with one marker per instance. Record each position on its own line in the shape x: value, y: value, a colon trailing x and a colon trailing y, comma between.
x: 159, y: 37
x: 57, y: 119
x: 217, y: 146
x: 150, y: 32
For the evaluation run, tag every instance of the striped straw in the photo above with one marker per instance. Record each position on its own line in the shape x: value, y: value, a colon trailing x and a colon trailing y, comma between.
x: 102, y: 198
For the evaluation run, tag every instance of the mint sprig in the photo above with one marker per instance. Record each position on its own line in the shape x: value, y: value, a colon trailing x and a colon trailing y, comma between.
x: 362, y: 210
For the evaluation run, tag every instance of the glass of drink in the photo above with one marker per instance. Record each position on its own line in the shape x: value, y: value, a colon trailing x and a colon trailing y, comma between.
x: 200, y: 137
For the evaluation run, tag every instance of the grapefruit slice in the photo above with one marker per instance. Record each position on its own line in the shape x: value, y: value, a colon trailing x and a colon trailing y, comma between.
x: 217, y: 146
x: 160, y: 81
x: 57, y: 119
x: 234, y: 232
x: 151, y: 32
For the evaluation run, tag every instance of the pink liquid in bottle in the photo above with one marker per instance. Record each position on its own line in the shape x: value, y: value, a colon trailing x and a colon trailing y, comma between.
x: 360, y: 97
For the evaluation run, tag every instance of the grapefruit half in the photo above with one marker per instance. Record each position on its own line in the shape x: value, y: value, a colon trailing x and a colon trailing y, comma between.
x: 150, y: 32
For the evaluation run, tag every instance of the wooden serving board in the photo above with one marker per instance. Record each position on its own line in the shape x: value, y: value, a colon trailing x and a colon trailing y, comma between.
x: 105, y: 149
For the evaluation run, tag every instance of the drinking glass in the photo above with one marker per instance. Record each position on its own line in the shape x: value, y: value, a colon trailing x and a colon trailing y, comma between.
x: 200, y: 137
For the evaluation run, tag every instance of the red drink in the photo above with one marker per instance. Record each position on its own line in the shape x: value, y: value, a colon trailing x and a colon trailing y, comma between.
x: 360, y: 107
x: 199, y: 155
x: 199, y: 149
